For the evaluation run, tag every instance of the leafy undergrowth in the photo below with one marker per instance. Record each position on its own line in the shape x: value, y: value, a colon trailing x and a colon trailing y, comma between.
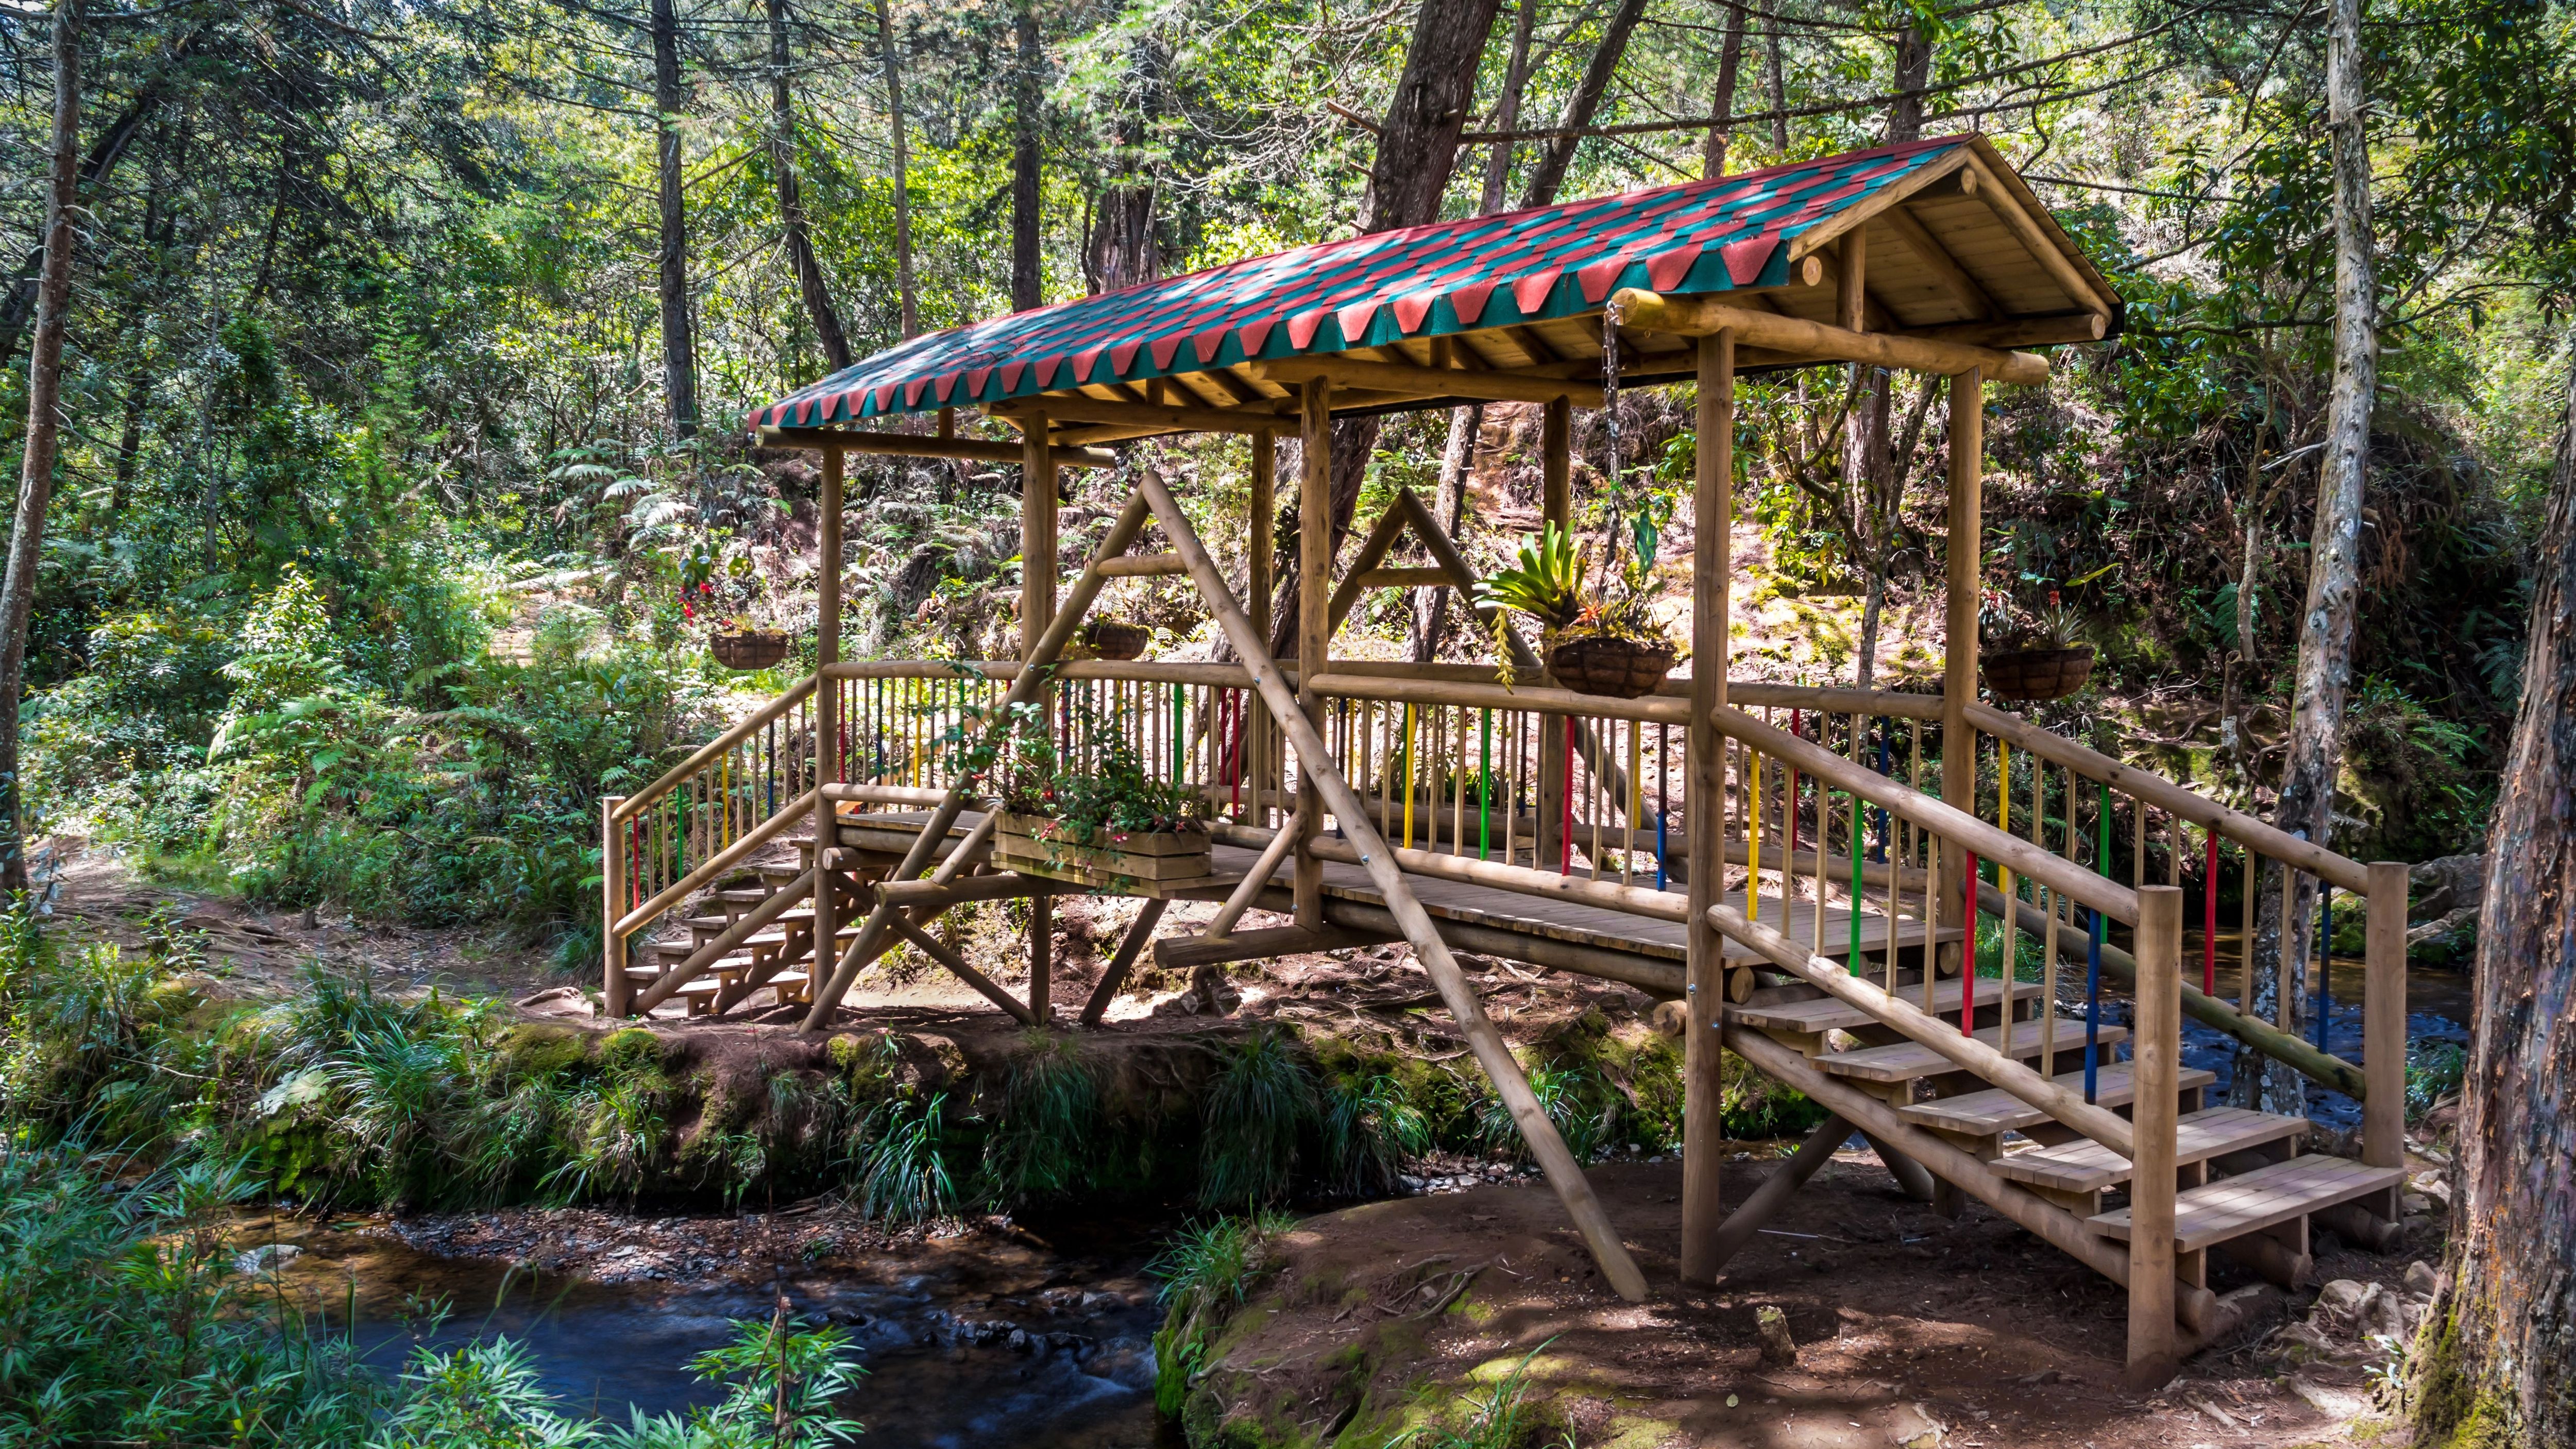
x: 341, y: 1094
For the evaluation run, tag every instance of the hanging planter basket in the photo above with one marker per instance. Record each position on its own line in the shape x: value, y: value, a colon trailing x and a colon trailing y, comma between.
x: 1609, y: 665
x: 1110, y: 639
x: 749, y: 649
x: 2034, y: 675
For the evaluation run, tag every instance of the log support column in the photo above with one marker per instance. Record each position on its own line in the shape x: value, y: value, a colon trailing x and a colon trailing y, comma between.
x: 1314, y: 627
x: 2383, y: 1021
x: 1704, y: 810
x: 1037, y: 611
x: 1556, y: 505
x: 616, y: 992
x: 1959, y: 635
x: 827, y: 706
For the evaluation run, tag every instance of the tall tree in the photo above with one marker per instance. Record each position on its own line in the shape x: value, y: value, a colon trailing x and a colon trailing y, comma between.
x: 902, y: 172
x: 44, y: 397
x: 1417, y: 151
x: 1873, y: 480
x: 1123, y: 249
x: 1027, y: 281
x: 1730, y: 59
x: 1507, y: 109
x: 679, y: 351
x: 791, y: 198
x: 2501, y: 1366
x: 2323, y: 675
x: 1558, y: 154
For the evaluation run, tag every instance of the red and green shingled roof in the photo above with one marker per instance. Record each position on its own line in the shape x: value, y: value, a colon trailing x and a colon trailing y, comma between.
x: 1368, y: 291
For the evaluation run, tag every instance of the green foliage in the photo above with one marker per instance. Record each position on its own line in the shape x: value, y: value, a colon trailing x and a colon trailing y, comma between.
x: 2434, y: 1072
x: 1370, y: 1129
x: 1096, y: 783
x: 1546, y: 586
x: 1498, y: 1418
x: 903, y: 1169
x: 1562, y: 1096
x: 1045, y: 1130
x: 1207, y: 1269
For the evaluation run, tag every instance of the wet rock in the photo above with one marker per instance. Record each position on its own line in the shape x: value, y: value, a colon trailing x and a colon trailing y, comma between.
x: 266, y: 1259
x: 1102, y: 1302
x: 1779, y: 1350
x: 2420, y: 1278
x: 1020, y: 1341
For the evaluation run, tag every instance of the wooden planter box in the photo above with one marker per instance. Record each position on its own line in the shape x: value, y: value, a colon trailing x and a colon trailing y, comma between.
x: 1042, y: 845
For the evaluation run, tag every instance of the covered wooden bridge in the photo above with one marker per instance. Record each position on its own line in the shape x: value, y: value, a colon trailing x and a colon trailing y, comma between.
x: 1792, y: 868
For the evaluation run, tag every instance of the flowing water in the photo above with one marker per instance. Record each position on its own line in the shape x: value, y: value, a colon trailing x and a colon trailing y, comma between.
x: 978, y: 1342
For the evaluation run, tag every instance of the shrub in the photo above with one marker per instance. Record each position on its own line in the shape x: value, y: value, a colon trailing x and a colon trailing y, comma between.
x: 1258, y: 1110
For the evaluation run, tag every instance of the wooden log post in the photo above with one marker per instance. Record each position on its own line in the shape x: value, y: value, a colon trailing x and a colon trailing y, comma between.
x: 1139, y: 936
x: 1037, y: 611
x: 1783, y: 1183
x: 2383, y: 1019
x: 2154, y: 1118
x: 1260, y: 578
x: 1314, y: 626
x: 1556, y: 506
x: 615, y: 991
x: 1959, y: 638
x: 1704, y: 812
x: 1492, y: 1053
x: 828, y: 764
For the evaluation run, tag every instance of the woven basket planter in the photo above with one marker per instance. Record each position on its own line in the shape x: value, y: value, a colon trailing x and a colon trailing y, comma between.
x: 2037, y: 674
x: 1110, y: 639
x: 749, y: 648
x: 1041, y: 845
x: 1608, y: 665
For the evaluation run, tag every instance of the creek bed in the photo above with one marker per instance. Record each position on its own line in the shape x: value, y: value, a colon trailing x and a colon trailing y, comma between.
x: 996, y: 1337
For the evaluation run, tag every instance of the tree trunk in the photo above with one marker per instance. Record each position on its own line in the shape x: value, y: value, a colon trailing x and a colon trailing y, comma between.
x: 2334, y: 576
x: 1417, y: 149
x: 791, y: 199
x: 1730, y: 58
x: 1507, y: 111
x: 44, y: 394
x: 1913, y: 76
x: 1027, y: 282
x: 1867, y: 467
x: 902, y: 176
x: 95, y: 168
x: 2501, y: 1366
x: 1457, y: 460
x: 1777, y: 86
x: 1558, y: 155
x: 679, y: 354
x: 1121, y: 250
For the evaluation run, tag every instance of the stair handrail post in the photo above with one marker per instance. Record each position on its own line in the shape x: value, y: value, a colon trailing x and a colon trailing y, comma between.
x: 2154, y: 1122
x: 2383, y: 1019
x: 614, y: 989
x: 1966, y: 553
x: 1314, y: 627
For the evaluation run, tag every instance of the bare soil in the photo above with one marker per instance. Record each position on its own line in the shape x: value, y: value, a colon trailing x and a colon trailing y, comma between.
x: 1912, y: 1329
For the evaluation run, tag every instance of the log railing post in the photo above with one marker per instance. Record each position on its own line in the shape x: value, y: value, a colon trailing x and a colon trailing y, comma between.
x: 1314, y: 626
x: 1038, y: 567
x: 1556, y: 506
x: 1260, y: 576
x: 2383, y: 1020
x: 614, y: 989
x: 1704, y: 812
x: 2153, y: 1122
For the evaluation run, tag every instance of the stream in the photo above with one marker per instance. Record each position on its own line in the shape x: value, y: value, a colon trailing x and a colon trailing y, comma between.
x: 981, y: 1340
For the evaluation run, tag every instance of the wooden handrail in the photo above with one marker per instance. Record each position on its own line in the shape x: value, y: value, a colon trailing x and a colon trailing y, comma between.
x: 1650, y: 710
x: 2164, y: 794
x: 700, y: 757
x: 1966, y: 1052
x: 1150, y: 671
x: 2021, y: 857
x: 715, y: 865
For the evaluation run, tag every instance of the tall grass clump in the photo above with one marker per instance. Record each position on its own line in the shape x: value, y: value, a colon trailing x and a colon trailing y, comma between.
x: 1044, y: 1123
x: 1206, y: 1269
x: 1562, y: 1096
x: 1259, y: 1109
x: 902, y: 1167
x: 1370, y: 1128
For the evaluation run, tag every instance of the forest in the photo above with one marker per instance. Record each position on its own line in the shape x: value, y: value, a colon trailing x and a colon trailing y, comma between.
x: 381, y: 372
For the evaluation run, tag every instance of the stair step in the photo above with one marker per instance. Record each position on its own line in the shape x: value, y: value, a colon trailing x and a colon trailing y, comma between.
x: 1994, y: 1110
x: 1827, y: 1014
x: 2234, y: 1206
x: 2087, y: 1166
x: 1904, y: 1061
x: 713, y: 926
x: 771, y: 936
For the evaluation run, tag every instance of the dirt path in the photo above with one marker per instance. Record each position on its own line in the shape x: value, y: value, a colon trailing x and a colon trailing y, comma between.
x: 1912, y: 1329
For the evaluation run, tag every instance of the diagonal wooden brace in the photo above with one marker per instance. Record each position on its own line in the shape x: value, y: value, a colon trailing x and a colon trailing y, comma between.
x: 1492, y: 1053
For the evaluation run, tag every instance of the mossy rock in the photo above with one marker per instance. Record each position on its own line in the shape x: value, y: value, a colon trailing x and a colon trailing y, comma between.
x: 630, y: 1049
x: 537, y: 1050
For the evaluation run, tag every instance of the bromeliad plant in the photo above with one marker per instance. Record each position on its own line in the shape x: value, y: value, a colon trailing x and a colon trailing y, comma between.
x: 1548, y: 586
